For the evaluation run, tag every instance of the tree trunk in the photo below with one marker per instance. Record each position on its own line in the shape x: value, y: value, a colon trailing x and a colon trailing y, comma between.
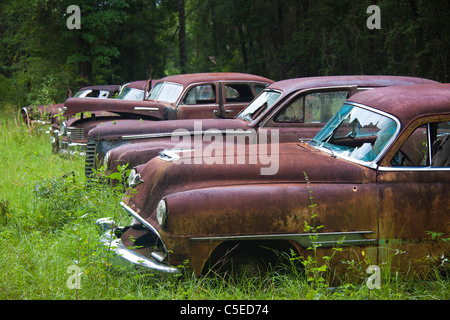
x: 182, y: 35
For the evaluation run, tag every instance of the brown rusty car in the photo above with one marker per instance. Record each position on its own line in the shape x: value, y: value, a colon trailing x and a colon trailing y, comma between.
x: 82, y: 112
x: 47, y: 113
x: 378, y: 173
x: 185, y: 96
x: 295, y: 108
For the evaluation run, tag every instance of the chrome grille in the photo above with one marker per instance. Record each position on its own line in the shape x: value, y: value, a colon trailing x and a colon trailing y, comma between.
x: 75, y: 133
x: 91, y: 155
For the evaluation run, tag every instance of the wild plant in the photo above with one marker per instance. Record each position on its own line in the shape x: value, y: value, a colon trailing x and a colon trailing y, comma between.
x: 316, y: 272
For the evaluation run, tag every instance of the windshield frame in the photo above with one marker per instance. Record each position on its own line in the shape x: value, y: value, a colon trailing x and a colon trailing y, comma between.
x: 371, y: 164
x: 261, y: 112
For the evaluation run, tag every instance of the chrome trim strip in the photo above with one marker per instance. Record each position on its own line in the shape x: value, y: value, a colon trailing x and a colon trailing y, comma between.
x: 137, y: 217
x: 183, y: 134
x: 198, y: 105
x: 415, y: 169
x: 144, y: 222
x: 327, y: 239
x: 145, y: 109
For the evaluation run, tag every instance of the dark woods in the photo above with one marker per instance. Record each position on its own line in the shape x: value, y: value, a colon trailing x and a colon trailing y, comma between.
x: 126, y: 40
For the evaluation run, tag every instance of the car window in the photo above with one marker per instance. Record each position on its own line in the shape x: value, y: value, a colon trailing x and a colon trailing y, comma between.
x: 201, y: 94
x: 316, y: 107
x: 166, y: 92
x: 292, y: 112
x: 259, y: 88
x: 416, y: 151
x: 238, y: 93
x: 264, y: 101
x: 87, y: 93
x: 103, y: 94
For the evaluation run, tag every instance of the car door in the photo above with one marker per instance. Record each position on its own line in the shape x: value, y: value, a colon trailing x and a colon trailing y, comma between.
x: 306, y: 112
x: 414, y: 202
x: 200, y: 101
x: 235, y: 96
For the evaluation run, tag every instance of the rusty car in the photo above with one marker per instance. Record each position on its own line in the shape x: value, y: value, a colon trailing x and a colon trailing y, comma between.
x: 295, y: 108
x: 81, y: 112
x: 184, y: 96
x: 375, y: 178
x: 48, y: 113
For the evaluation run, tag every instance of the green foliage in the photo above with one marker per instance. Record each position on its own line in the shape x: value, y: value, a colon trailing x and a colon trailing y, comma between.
x: 127, y: 40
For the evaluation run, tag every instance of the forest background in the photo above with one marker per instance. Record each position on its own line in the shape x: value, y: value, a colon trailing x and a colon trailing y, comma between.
x: 127, y: 40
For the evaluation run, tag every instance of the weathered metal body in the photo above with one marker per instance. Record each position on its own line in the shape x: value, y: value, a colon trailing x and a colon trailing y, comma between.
x: 376, y: 211
x: 48, y: 113
x: 82, y: 113
x: 171, y: 104
x: 324, y: 95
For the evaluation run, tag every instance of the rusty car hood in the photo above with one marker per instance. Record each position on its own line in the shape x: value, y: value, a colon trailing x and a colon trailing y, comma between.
x: 162, y: 178
x: 78, y: 105
x: 145, y: 129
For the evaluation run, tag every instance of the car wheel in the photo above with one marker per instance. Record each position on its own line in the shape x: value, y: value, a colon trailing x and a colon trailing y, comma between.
x: 241, y: 265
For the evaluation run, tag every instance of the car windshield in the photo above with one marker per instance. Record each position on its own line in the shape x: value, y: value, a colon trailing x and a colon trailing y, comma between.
x: 356, y: 133
x: 166, y: 92
x: 264, y: 101
x: 128, y: 93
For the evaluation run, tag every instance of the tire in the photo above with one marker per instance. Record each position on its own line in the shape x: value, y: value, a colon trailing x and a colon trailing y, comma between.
x: 241, y: 265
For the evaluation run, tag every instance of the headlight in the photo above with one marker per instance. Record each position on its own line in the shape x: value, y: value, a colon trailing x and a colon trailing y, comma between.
x: 161, y: 212
x: 63, y: 129
x: 105, y: 161
x: 134, y: 179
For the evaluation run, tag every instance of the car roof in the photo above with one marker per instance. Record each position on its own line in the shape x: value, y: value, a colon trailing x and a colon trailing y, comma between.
x: 408, y: 103
x: 186, y: 79
x: 106, y: 87
x: 290, y: 85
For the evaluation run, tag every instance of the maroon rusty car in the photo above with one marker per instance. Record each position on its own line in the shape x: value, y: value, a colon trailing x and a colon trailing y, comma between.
x: 378, y: 173
x: 81, y: 115
x: 296, y: 109
x: 47, y: 113
x: 185, y: 96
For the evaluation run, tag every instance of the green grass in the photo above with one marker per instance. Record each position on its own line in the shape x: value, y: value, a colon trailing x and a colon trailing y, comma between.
x: 47, y: 217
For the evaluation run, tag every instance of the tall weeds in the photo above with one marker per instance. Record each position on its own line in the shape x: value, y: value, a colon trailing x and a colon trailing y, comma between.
x: 47, y: 217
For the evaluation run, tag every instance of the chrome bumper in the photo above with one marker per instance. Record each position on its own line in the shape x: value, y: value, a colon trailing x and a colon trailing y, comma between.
x: 72, y: 148
x: 66, y: 147
x: 125, y: 257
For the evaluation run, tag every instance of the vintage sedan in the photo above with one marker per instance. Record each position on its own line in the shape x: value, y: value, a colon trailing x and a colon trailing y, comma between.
x: 48, y: 113
x: 376, y: 178
x: 68, y: 136
x: 185, y: 96
x: 296, y: 109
